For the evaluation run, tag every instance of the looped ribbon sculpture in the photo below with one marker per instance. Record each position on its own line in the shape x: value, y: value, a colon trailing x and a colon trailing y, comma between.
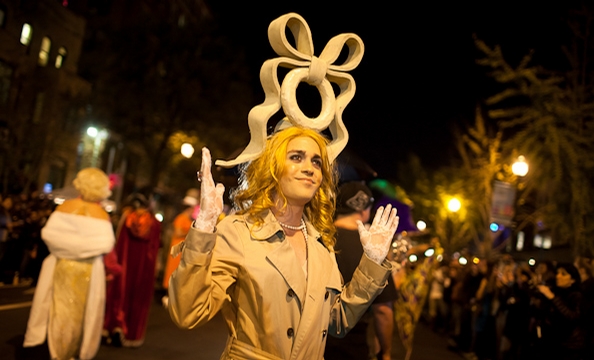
x: 316, y: 71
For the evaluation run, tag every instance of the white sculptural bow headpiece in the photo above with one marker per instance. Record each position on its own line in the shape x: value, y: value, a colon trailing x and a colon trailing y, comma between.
x: 316, y: 71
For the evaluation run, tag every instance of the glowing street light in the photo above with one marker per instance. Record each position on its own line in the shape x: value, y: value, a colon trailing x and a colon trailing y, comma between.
x: 421, y: 225
x: 520, y: 166
x: 454, y: 205
x: 187, y: 150
x: 95, y: 143
x: 92, y: 131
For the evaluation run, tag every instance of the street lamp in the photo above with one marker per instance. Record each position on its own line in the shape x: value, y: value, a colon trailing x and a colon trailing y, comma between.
x: 421, y: 225
x: 97, y: 137
x: 520, y: 166
x: 92, y: 131
x: 187, y: 150
x: 454, y: 205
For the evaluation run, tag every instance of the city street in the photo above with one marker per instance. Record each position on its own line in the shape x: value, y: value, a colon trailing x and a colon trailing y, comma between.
x: 163, y: 339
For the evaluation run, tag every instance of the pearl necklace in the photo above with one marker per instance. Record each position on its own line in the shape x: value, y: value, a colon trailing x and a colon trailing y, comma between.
x: 303, y: 230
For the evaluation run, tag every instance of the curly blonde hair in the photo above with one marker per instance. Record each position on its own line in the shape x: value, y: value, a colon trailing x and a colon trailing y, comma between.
x: 92, y: 184
x: 259, y: 183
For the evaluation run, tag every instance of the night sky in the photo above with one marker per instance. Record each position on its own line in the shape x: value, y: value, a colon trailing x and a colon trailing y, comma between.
x: 418, y: 76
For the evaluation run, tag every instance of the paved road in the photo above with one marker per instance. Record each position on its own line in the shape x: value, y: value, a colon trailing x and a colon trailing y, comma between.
x: 164, y: 340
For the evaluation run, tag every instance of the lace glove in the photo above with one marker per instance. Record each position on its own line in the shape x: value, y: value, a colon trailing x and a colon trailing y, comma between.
x: 376, y: 240
x: 211, y: 196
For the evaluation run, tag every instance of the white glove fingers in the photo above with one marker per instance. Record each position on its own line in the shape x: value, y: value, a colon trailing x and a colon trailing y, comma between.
x: 394, y: 225
x: 378, y: 216
x: 393, y: 217
x: 205, y: 173
x: 220, y: 190
x: 211, y: 196
x: 361, y: 227
x: 386, y: 214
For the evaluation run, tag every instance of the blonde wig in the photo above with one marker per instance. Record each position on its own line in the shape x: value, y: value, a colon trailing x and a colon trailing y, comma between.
x: 259, y: 183
x: 92, y: 184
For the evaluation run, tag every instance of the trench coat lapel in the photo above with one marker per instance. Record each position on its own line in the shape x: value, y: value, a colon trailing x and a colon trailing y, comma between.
x: 283, y: 256
x: 284, y: 260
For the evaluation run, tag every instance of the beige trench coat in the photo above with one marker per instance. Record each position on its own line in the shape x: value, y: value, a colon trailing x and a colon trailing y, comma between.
x: 272, y: 311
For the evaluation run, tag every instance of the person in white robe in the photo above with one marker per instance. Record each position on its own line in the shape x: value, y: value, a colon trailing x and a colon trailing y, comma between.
x: 69, y: 300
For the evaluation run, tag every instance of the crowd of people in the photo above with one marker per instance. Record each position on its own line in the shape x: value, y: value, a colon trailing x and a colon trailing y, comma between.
x: 489, y: 309
x: 505, y: 309
x: 21, y: 248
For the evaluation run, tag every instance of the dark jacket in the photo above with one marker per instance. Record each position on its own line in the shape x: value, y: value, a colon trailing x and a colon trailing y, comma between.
x: 562, y: 330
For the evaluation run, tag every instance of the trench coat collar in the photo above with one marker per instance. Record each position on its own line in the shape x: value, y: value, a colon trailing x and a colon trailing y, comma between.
x: 283, y: 257
x: 271, y: 227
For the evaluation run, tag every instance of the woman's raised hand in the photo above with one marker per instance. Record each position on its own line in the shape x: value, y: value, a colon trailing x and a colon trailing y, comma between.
x: 211, y: 196
x: 377, y: 239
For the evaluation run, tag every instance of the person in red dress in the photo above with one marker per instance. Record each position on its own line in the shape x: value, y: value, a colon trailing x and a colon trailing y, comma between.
x: 129, y: 293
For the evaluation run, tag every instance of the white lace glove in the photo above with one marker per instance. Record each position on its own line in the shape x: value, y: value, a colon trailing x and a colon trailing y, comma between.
x: 377, y: 239
x: 211, y: 196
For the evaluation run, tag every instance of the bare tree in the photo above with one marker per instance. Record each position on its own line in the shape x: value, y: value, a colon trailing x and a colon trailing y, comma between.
x: 547, y: 115
x: 163, y: 71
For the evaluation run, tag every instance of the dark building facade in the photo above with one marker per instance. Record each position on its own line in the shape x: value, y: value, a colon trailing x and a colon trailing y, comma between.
x: 41, y: 94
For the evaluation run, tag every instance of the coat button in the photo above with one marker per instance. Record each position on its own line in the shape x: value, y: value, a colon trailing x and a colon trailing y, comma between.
x: 324, y: 333
x: 290, y: 293
x: 326, y: 296
x: 290, y: 332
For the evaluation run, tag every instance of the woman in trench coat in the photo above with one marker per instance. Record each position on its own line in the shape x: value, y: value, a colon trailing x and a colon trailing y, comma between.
x: 271, y: 268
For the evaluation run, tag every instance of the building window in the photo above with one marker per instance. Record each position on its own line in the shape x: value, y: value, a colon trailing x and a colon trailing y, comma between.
x: 26, y: 34
x: 61, y: 57
x: 181, y: 21
x: 5, y: 77
x: 38, y: 108
x: 44, y: 52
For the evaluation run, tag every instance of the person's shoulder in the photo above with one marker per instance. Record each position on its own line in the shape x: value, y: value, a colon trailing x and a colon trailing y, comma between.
x: 344, y: 233
x: 244, y: 222
x: 80, y: 207
x: 229, y: 220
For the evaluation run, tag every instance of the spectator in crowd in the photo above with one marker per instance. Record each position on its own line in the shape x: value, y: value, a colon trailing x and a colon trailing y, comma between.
x: 561, y: 331
x: 5, y: 227
x: 13, y: 247
x: 545, y: 273
x: 465, y: 308
x: 35, y: 250
x: 585, y: 266
x: 438, y: 308
x: 515, y: 307
x: 487, y: 301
